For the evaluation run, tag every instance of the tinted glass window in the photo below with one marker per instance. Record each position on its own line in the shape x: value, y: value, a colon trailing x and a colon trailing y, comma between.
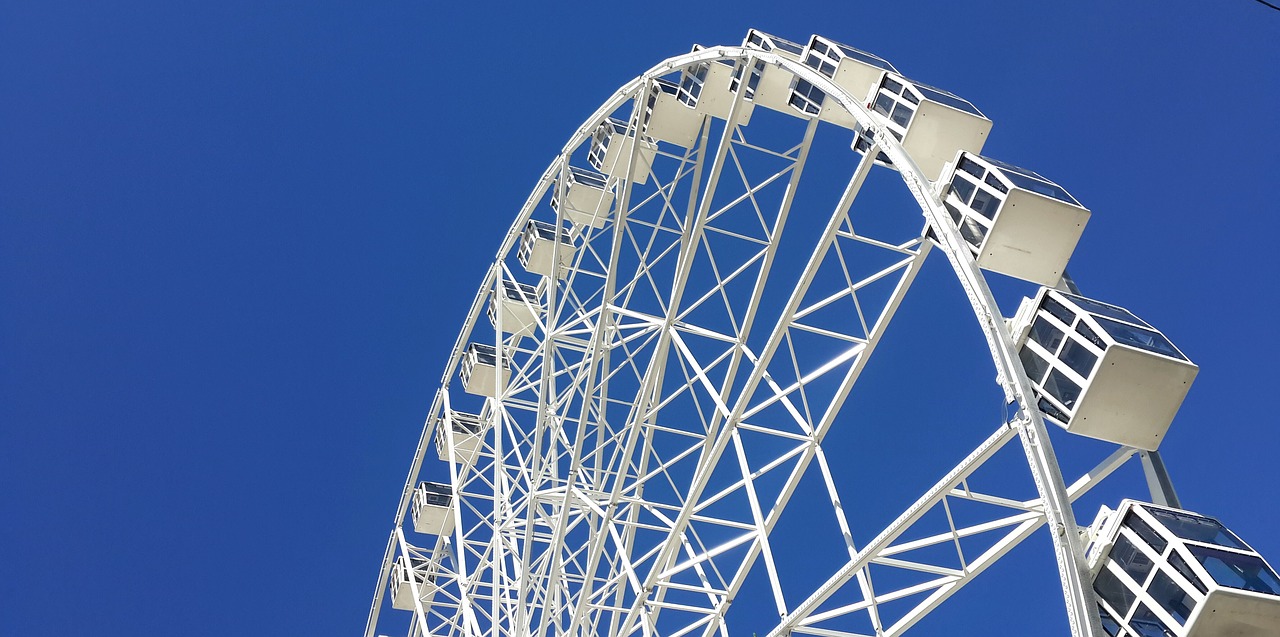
x: 985, y: 203
x: 1131, y: 559
x: 1197, y: 528
x: 953, y: 211
x: 1139, y: 337
x: 942, y: 97
x: 1057, y: 309
x: 1046, y: 335
x: 1144, y: 531
x: 1146, y: 624
x: 1113, y: 591
x: 1109, y: 623
x: 1052, y: 411
x: 1237, y: 570
x: 892, y: 86
x: 902, y: 115
x: 1105, y: 309
x: 1180, y: 565
x: 1064, y: 389
x: 1078, y: 358
x: 995, y: 182
x: 972, y: 231
x: 963, y: 188
x: 866, y: 57
x: 1171, y: 597
x: 1087, y: 332
x: 1042, y: 187
x: 884, y: 104
x: 972, y: 167
x: 1035, y: 366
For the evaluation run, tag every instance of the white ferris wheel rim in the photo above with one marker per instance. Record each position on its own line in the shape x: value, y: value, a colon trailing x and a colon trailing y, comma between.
x: 1028, y: 424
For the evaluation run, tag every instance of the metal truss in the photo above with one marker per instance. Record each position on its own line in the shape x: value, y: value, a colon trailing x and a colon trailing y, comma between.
x: 675, y: 393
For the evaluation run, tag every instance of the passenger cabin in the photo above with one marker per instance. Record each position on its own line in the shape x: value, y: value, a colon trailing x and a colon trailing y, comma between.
x: 705, y: 87
x: 407, y: 571
x: 611, y: 151
x: 668, y: 119
x: 538, y: 252
x: 1098, y: 370
x: 586, y: 196
x: 1015, y: 221
x: 767, y: 85
x: 433, y: 508
x: 520, y: 305
x: 851, y: 69
x: 466, y: 431
x: 479, y: 370
x: 932, y: 124
x: 1162, y: 572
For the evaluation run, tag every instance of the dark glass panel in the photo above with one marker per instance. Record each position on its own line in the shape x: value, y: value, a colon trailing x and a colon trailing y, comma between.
x: 1140, y: 338
x: 963, y: 188
x: 1144, y: 531
x: 1078, y: 358
x: 1113, y: 591
x: 1064, y: 389
x: 1197, y: 528
x: 1171, y: 597
x: 972, y: 167
x: 1237, y: 570
x: 985, y: 203
x: 1035, y: 366
x: 1048, y: 336
x: 1131, y: 559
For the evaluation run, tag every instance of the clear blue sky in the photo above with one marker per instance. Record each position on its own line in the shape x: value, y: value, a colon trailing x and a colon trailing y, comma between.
x: 237, y: 240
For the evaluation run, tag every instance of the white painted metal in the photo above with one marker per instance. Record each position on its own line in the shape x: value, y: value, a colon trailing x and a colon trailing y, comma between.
x: 482, y: 372
x: 770, y: 85
x: 612, y: 148
x: 647, y: 435
x: 932, y: 124
x: 706, y: 86
x: 854, y: 70
x: 1166, y: 571
x: 461, y: 438
x: 587, y: 198
x: 1015, y: 221
x: 1099, y: 371
x: 539, y: 251
x: 521, y: 307
x: 667, y: 119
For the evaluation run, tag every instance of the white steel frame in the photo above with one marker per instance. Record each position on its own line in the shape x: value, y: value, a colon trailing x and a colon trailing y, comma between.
x: 590, y: 510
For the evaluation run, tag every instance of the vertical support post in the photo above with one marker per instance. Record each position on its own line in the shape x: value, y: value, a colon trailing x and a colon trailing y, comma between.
x: 1158, y: 480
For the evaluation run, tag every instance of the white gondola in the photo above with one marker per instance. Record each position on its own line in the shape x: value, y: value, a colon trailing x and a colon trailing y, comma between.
x: 611, y: 151
x: 586, y: 195
x: 705, y: 87
x: 467, y: 433
x: 1162, y: 572
x: 1098, y: 370
x: 538, y: 251
x: 479, y: 370
x: 433, y: 508
x: 767, y: 85
x: 521, y: 306
x: 667, y: 119
x: 932, y: 124
x: 418, y: 570
x: 851, y: 69
x: 1015, y: 221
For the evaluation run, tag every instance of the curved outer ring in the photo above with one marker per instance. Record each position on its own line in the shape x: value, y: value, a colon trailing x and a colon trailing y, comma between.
x: 1010, y: 374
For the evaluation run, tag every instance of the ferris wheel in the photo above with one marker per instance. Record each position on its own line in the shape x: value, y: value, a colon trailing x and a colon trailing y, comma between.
x: 637, y: 419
